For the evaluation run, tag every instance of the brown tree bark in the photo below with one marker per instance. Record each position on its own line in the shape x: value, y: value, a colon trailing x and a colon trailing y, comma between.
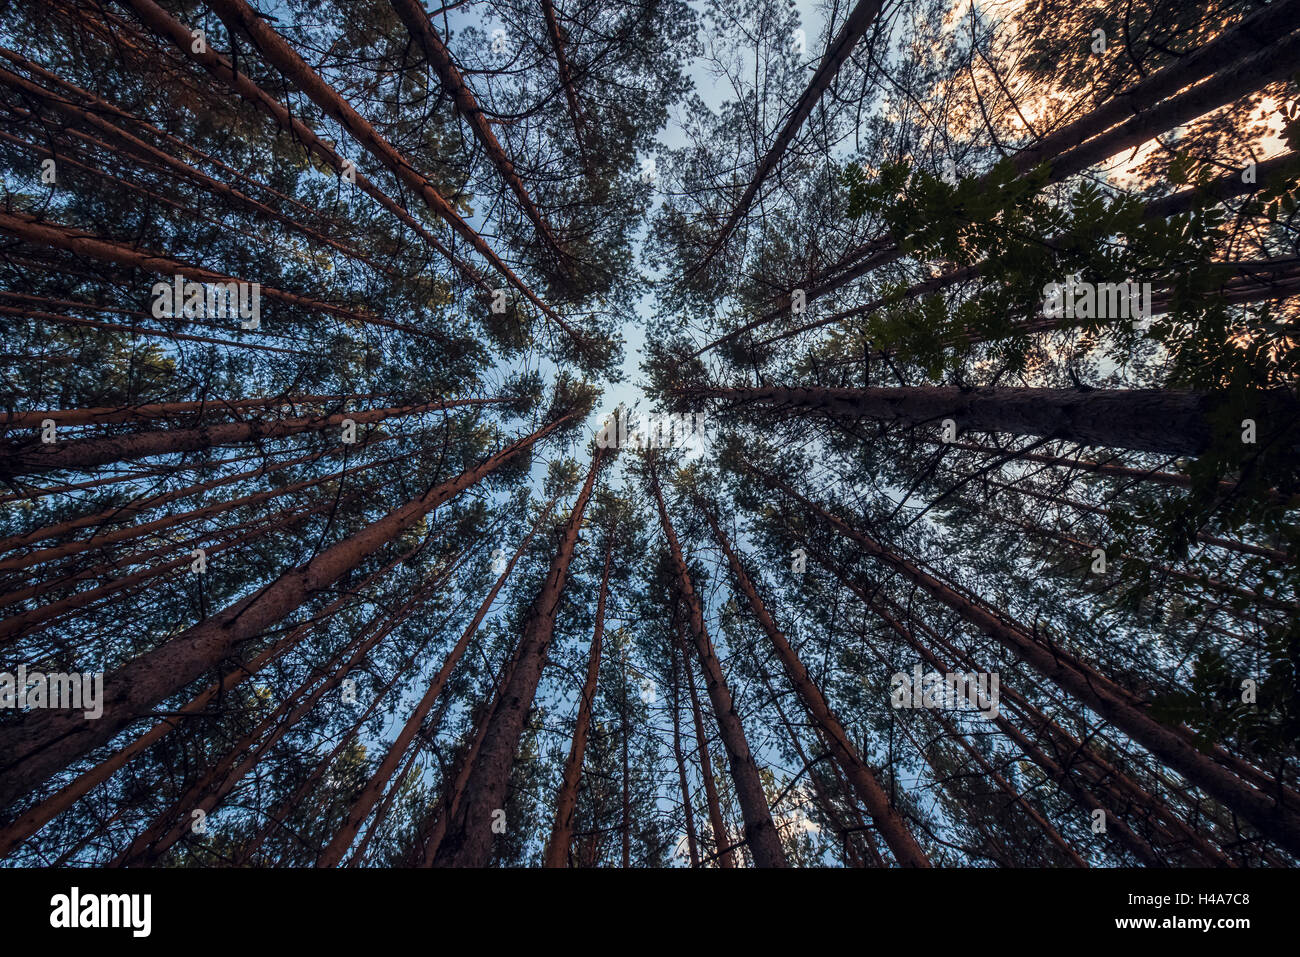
x: 220, y: 779
x: 1108, y: 469
x: 25, y: 458
x: 141, y: 149
x: 468, y: 840
x: 163, y: 24
x: 155, y: 411
x: 1280, y: 822
x: 855, y: 27
x: 721, y: 839
x: 365, y: 801
x: 31, y: 229
x: 557, y: 848
x: 692, y: 842
x: 433, y: 829
x: 1242, y: 548
x: 412, y: 14
x: 15, y: 626
x: 47, y: 742
x: 278, y: 52
x: 889, y: 823
x: 125, y: 511
x: 1148, y: 420
x: 33, y: 820
x: 134, y: 330
x: 55, y: 552
x: 576, y: 115
x: 760, y: 832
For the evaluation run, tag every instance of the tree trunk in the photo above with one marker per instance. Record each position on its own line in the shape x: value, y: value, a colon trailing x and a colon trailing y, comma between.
x: 721, y: 840
x: 468, y: 842
x: 33, y: 230
x: 692, y: 843
x: 557, y: 850
x: 1147, y: 420
x: 413, y: 15
x: 760, y: 832
x: 854, y: 28
x: 888, y: 821
x: 33, y: 457
x: 36, y: 818
x: 365, y: 801
x: 280, y: 54
x: 163, y: 24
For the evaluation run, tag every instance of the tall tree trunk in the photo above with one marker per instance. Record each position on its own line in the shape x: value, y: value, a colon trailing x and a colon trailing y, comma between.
x: 163, y: 24
x: 422, y: 30
x: 33, y: 230
x: 627, y: 782
x: 1239, y: 61
x: 220, y: 779
x: 854, y: 28
x: 149, y: 412
x: 149, y: 529
x: 760, y: 831
x: 365, y: 801
x: 468, y: 842
x: 36, y: 818
x: 721, y: 840
x: 557, y: 849
x: 1126, y: 796
x: 888, y: 821
x: 576, y: 115
x: 16, y: 626
x: 434, y: 828
x: 88, y: 117
x: 280, y: 54
x: 823, y: 800
x: 692, y: 843
x: 33, y: 457
x: 1148, y: 420
x: 1106, y: 469
x: 125, y: 511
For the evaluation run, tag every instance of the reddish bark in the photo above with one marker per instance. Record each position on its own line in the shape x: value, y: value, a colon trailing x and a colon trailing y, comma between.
x: 468, y: 840
x: 40, y: 815
x: 47, y: 742
x: 760, y: 831
x: 1211, y: 772
x: 162, y: 23
x: 889, y: 822
x: 277, y: 51
x: 692, y: 843
x: 557, y: 849
x: 435, y: 51
x: 25, y: 458
x: 721, y: 840
x: 365, y: 801
x: 31, y: 229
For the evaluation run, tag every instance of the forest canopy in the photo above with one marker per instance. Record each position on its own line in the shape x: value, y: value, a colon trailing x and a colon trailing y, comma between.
x: 649, y: 433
